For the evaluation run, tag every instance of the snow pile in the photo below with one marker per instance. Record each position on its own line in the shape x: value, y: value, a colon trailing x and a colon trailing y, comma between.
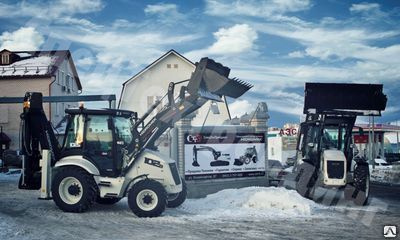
x: 254, y: 201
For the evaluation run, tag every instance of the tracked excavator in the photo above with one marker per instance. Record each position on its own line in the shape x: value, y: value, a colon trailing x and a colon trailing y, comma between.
x: 109, y: 154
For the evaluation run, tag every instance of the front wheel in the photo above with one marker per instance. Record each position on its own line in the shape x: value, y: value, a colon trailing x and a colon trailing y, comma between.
x: 361, y: 185
x: 176, y: 200
x: 306, y: 178
x: 74, y: 189
x: 147, y: 198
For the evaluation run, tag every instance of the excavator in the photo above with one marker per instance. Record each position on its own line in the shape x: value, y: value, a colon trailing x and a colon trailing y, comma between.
x: 109, y: 154
x: 216, y: 155
x: 326, y: 156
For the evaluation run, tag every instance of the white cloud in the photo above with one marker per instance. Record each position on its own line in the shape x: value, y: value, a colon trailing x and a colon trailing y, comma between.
x: 167, y: 13
x: 117, y: 48
x: 362, y: 7
x: 87, y: 61
x: 160, y: 8
x: 255, y: 8
x: 240, y: 107
x: 60, y: 11
x: 296, y: 54
x: 25, y: 38
x: 229, y: 41
x: 236, y: 39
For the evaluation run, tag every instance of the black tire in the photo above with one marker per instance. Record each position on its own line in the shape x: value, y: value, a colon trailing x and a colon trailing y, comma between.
x: 145, y: 192
x: 107, y: 201
x: 305, y: 180
x: 179, y: 198
x: 348, y: 192
x: 88, y: 189
x: 361, y: 184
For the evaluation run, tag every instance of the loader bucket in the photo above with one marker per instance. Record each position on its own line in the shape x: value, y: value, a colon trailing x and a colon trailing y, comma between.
x: 358, y: 99
x: 210, y: 81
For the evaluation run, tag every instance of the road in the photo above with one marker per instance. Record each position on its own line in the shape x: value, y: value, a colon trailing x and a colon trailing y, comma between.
x: 23, y: 216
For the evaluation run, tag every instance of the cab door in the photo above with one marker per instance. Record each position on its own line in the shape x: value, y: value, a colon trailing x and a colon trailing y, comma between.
x: 99, y: 143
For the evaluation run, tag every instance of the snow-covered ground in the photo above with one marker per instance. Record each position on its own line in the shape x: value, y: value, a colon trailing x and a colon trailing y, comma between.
x: 248, y: 213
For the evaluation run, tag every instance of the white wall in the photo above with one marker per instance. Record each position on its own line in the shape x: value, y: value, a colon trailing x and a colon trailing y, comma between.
x: 58, y: 109
x: 276, y: 149
x: 154, y: 82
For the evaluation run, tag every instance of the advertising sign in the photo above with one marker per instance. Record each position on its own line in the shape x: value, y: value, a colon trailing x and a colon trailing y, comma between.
x: 228, y: 155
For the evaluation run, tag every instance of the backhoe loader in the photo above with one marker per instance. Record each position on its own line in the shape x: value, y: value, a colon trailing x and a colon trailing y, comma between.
x: 109, y: 154
x: 326, y: 156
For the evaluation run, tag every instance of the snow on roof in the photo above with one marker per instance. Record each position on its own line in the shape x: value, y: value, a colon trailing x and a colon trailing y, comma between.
x: 35, y: 66
x: 24, y: 54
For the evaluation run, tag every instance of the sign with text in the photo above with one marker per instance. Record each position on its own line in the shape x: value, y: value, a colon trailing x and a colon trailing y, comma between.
x: 226, y: 155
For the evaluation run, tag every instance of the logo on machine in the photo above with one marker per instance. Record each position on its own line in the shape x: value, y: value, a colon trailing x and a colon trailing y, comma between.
x: 194, y: 138
x: 389, y: 231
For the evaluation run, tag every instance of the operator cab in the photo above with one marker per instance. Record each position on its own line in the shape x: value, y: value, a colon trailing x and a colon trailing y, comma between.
x: 104, y: 137
x: 325, y: 141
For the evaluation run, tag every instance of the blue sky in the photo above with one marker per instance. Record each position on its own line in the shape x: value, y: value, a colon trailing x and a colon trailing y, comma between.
x: 277, y: 45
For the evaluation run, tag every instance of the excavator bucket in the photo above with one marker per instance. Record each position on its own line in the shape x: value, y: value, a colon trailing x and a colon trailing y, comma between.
x: 210, y: 81
x: 358, y: 99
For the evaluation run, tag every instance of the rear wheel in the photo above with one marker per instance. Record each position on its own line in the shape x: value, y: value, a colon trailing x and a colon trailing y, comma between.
x: 147, y: 198
x: 176, y: 200
x: 361, y: 185
x: 74, y: 189
x: 107, y: 201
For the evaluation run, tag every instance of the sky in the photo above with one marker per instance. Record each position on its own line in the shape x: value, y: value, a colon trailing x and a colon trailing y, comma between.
x: 276, y: 45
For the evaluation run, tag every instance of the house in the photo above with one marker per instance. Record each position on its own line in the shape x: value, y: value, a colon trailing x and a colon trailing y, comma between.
x: 151, y: 84
x: 51, y: 72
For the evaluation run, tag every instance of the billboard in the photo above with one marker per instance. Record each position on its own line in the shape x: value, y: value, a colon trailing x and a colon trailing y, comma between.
x: 226, y: 155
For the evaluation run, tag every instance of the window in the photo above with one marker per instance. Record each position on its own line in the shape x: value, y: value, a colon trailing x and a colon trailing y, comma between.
x: 98, y: 135
x: 5, y: 59
x: 175, y: 65
x: 67, y: 81
x: 150, y: 101
x: 62, y: 78
x: 168, y: 65
x: 74, y: 138
x: 158, y: 98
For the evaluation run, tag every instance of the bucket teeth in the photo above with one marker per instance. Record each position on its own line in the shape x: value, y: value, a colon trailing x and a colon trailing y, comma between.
x: 210, y: 80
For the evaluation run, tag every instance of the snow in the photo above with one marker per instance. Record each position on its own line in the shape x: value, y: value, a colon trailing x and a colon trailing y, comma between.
x: 24, y: 54
x: 247, y: 213
x: 31, y: 66
x: 254, y: 201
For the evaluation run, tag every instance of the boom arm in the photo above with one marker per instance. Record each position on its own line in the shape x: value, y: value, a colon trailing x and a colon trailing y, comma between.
x: 209, y: 81
x: 36, y: 134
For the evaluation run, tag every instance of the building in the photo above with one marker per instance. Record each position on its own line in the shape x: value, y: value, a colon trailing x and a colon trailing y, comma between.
x: 51, y: 72
x: 282, y: 143
x: 151, y: 84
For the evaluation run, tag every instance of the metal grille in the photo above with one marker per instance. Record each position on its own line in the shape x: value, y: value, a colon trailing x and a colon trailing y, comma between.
x: 175, y: 173
x: 335, y: 169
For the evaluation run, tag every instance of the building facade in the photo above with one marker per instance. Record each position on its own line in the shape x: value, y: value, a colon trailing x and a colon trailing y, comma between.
x: 151, y: 84
x: 52, y: 73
